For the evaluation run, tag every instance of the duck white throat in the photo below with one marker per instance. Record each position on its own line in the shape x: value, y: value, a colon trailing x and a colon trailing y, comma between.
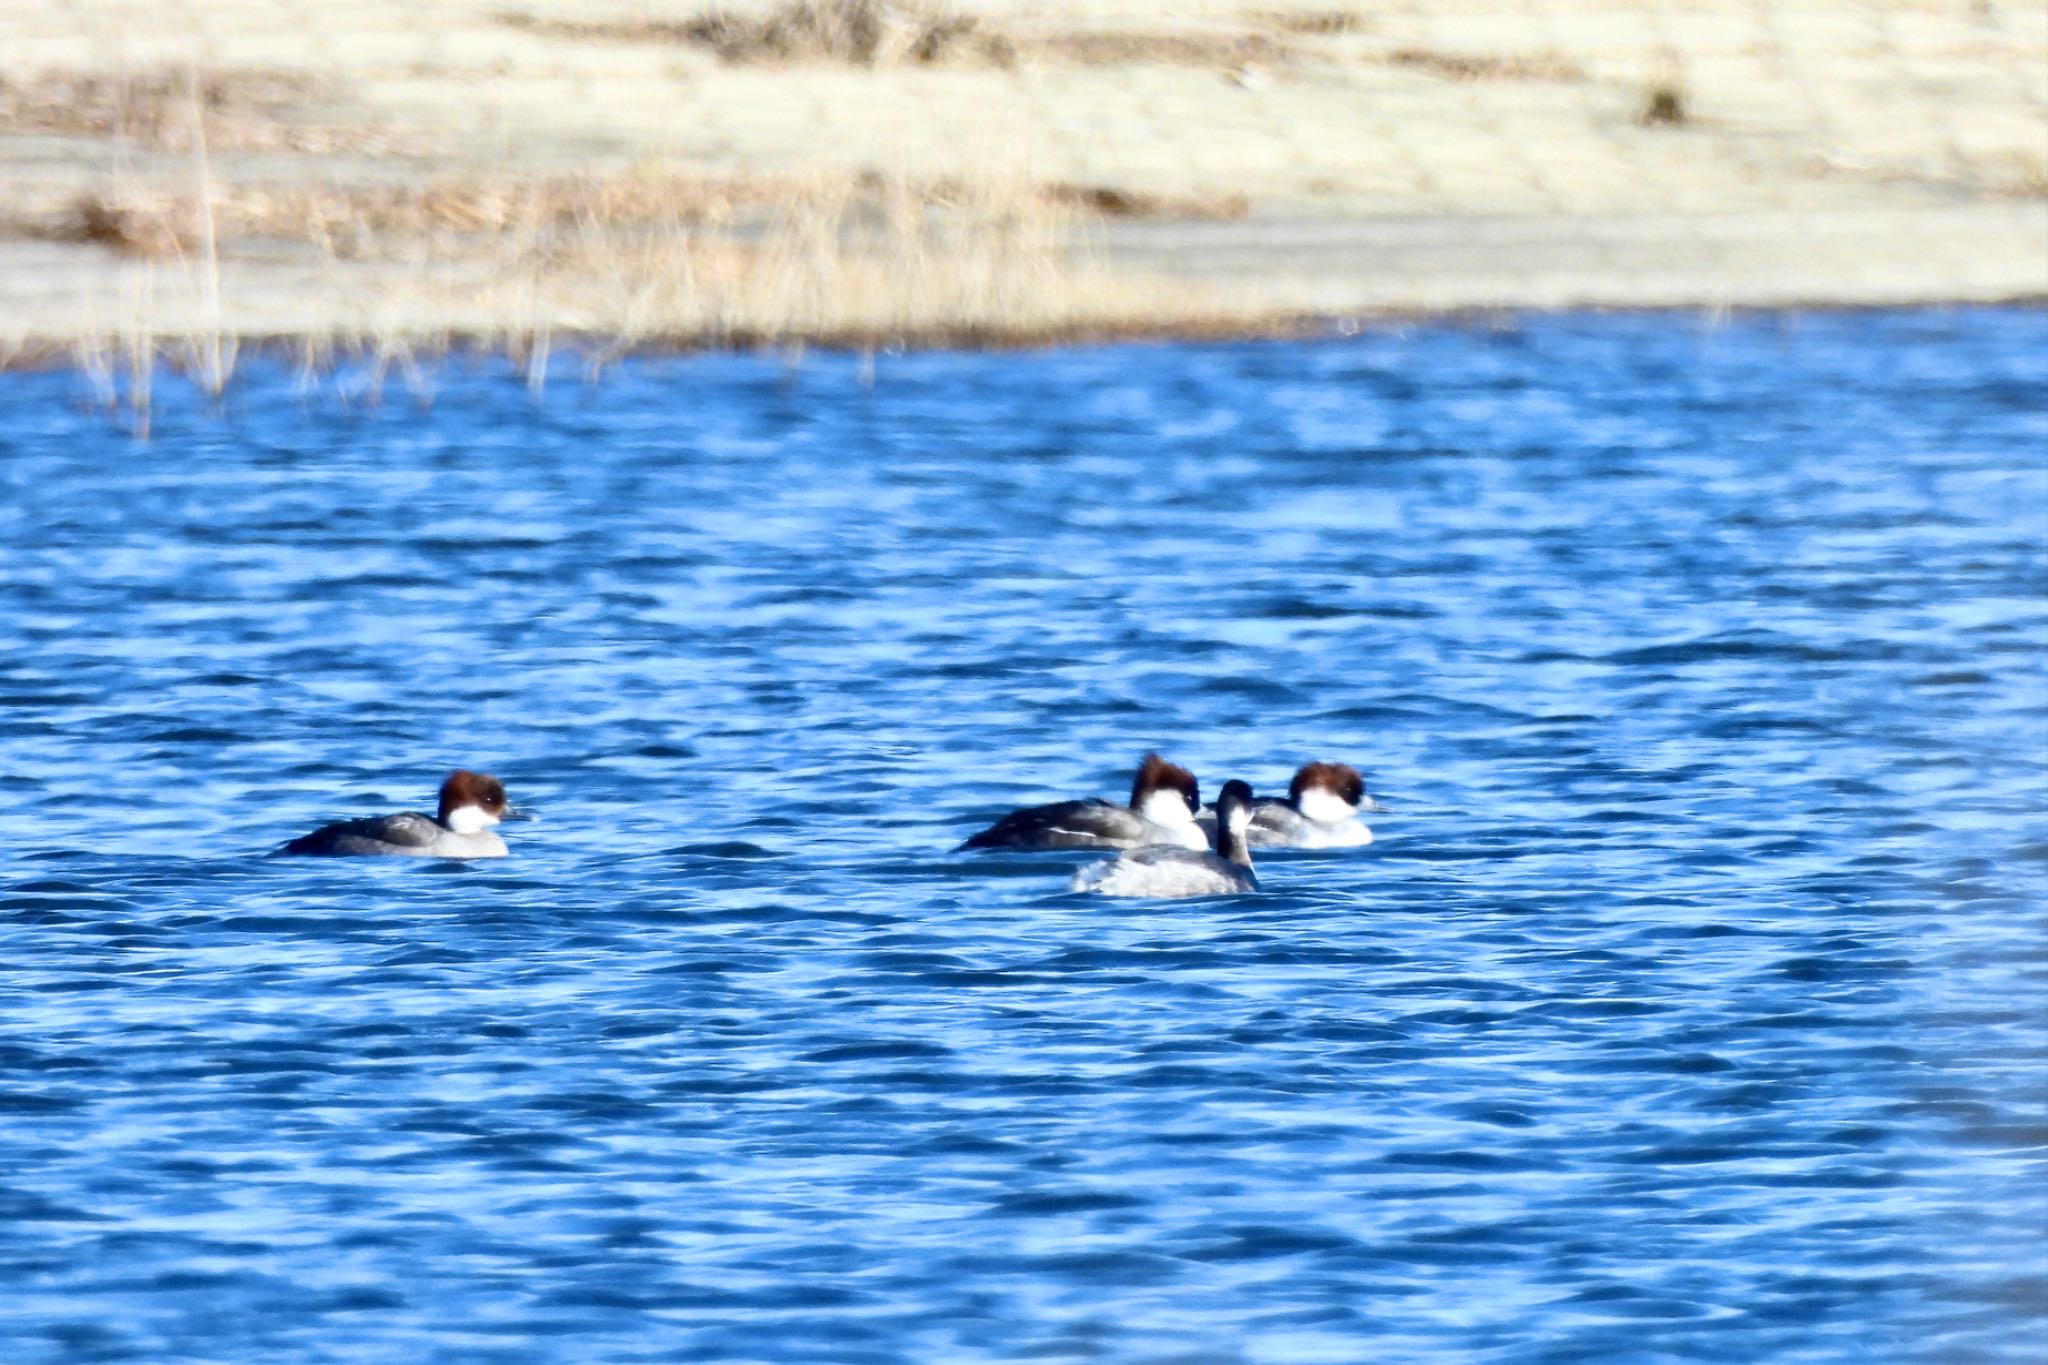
x: 470, y: 819
x: 1324, y: 806
x: 1166, y: 807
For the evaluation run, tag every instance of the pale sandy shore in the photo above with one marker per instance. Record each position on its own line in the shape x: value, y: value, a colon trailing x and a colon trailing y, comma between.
x: 642, y: 172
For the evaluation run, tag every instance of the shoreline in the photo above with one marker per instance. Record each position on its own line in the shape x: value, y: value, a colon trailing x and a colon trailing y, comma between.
x: 402, y: 180
x: 1457, y: 286
x: 600, y: 351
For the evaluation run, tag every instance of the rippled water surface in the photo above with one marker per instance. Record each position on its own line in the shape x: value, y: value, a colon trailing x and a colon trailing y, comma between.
x: 1689, y: 1006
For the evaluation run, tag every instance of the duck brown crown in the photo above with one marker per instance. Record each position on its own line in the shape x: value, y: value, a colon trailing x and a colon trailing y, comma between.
x: 465, y: 788
x: 1156, y: 774
x: 1339, y: 778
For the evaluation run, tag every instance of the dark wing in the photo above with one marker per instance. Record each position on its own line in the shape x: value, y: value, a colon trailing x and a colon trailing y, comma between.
x: 1275, y: 824
x: 1064, y: 824
x: 400, y: 834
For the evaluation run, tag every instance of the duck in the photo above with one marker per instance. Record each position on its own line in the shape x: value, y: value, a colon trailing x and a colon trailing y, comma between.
x: 1164, y: 800
x: 463, y: 826
x: 1321, y: 810
x: 1162, y: 872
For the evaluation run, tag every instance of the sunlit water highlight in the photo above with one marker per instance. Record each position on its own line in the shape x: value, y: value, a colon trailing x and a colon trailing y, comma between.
x: 1690, y: 1005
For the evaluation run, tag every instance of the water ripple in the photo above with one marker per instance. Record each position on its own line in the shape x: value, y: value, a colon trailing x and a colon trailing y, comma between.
x: 1689, y: 1005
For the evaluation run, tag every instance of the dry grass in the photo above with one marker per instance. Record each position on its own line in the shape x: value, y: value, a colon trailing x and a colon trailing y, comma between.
x: 1664, y: 105
x: 839, y: 261
x: 244, y: 110
x: 377, y: 220
x: 817, y: 270
x: 615, y: 261
x: 1322, y: 23
x: 883, y: 33
x: 864, y: 32
x: 859, y: 261
x: 1190, y: 47
x: 206, y: 351
x: 859, y: 32
x: 880, y: 33
x: 1471, y: 66
x: 1113, y: 202
x: 383, y: 221
x: 1665, y: 100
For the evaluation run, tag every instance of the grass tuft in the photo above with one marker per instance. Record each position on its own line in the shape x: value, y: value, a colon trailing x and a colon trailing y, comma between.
x: 855, y: 32
x: 883, y: 33
x: 244, y: 110
x: 1111, y: 201
x: 1664, y: 105
x: 1323, y: 23
x: 1472, y: 66
x: 608, y: 266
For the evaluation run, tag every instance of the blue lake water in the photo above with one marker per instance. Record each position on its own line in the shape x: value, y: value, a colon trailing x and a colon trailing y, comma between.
x: 1693, y: 1003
